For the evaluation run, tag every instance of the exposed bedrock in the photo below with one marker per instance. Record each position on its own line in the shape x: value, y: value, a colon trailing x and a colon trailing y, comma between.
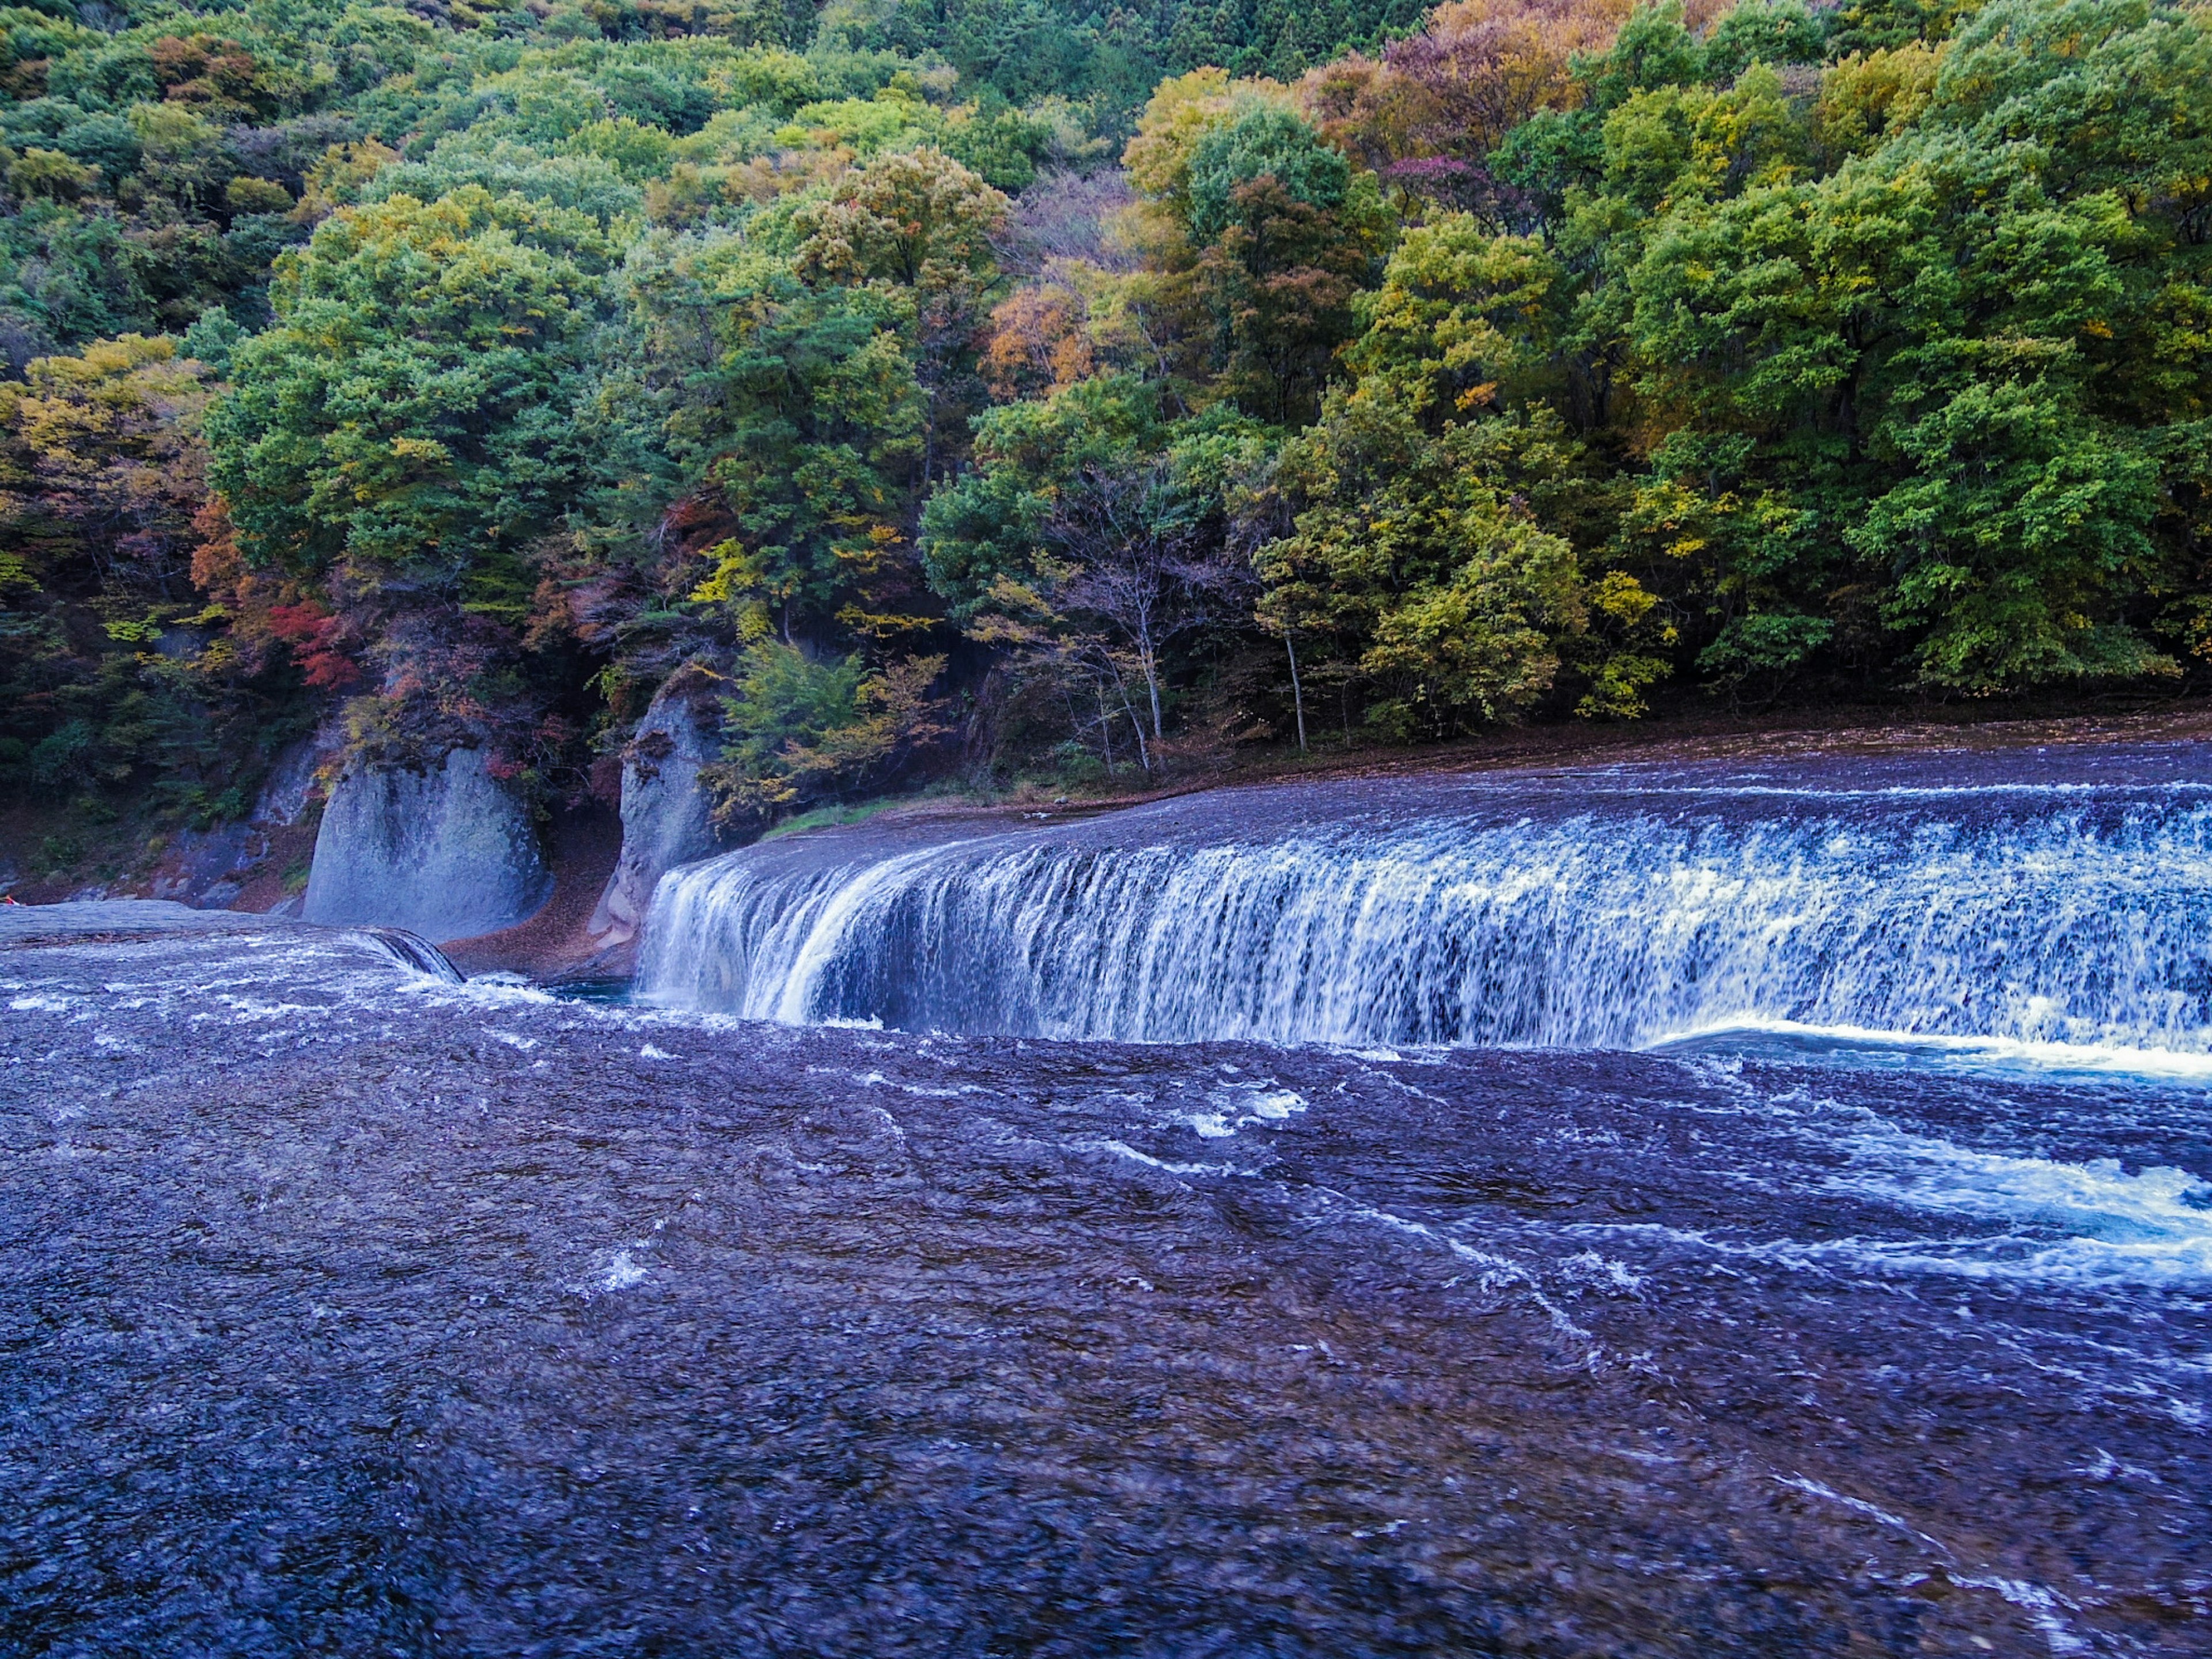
x: 665, y: 815
x: 447, y: 853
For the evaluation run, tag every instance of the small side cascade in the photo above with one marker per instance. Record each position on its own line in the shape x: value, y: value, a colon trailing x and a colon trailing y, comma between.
x: 1613, y: 913
x: 415, y: 953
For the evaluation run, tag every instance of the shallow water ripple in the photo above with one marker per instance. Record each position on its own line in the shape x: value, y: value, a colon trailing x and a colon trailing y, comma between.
x: 344, y: 1311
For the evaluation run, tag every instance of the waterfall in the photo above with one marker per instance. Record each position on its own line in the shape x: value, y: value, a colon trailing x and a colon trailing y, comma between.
x: 414, y: 953
x: 1610, y: 909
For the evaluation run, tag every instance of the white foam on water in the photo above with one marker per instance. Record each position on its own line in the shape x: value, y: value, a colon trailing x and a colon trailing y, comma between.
x: 1604, y: 1272
x: 2079, y: 1257
x: 1266, y: 1104
x: 1874, y: 1511
x: 249, y: 1011
x: 623, y: 1272
x: 1916, y: 791
x: 1991, y: 1053
x: 1494, y: 1273
x: 484, y: 991
x: 2091, y: 1223
x: 1123, y: 1148
x: 1235, y: 1106
x: 2040, y: 1605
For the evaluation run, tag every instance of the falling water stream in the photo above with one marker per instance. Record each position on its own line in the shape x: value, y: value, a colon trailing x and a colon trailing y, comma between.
x: 2046, y: 899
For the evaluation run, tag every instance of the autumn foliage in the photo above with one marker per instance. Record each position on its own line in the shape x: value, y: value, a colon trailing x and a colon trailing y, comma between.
x: 956, y: 389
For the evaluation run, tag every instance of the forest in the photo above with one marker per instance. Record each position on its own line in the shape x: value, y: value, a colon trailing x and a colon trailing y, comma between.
x: 992, y: 391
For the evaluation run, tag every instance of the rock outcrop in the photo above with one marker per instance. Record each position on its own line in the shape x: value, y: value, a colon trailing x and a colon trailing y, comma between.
x: 448, y: 853
x: 243, y: 862
x: 667, y: 819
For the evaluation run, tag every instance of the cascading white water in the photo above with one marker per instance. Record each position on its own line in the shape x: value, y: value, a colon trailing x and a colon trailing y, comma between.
x: 1609, y: 910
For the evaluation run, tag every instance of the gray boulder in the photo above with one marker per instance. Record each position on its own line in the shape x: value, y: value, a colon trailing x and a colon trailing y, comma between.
x: 667, y: 819
x: 448, y: 853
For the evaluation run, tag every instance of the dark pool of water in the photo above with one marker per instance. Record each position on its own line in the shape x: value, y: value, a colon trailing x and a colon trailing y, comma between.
x: 607, y: 992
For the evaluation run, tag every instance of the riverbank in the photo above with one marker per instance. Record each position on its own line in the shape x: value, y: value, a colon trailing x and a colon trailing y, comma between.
x: 1682, y: 737
x: 1966, y: 728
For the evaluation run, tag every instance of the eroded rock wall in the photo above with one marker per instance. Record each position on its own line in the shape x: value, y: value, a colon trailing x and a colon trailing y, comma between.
x: 448, y: 853
x: 668, y: 817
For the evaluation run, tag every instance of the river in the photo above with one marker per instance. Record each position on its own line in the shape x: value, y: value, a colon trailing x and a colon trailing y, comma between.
x: 1669, y: 1209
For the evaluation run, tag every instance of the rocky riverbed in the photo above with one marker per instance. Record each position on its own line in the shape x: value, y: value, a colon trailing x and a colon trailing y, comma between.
x: 349, y: 1309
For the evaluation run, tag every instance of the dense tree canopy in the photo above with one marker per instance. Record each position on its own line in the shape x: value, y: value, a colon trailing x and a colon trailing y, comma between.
x: 995, y: 385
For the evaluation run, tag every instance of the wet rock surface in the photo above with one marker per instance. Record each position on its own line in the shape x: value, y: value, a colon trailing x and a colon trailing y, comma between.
x: 346, y: 1311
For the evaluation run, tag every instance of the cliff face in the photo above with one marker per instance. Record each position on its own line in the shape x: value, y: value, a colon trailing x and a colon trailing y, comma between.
x: 667, y: 817
x: 448, y: 853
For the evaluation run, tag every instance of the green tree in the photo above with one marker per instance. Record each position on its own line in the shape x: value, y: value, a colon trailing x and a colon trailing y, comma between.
x: 802, y: 731
x: 408, y: 414
x: 404, y: 437
x: 115, y: 674
x: 1406, y: 563
x: 1910, y: 396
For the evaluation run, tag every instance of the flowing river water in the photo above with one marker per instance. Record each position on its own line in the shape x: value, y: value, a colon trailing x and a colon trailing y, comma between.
x: 1688, y: 1209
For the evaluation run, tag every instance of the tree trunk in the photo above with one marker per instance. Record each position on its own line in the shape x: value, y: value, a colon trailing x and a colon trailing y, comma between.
x: 1297, y: 695
x: 1144, y: 753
